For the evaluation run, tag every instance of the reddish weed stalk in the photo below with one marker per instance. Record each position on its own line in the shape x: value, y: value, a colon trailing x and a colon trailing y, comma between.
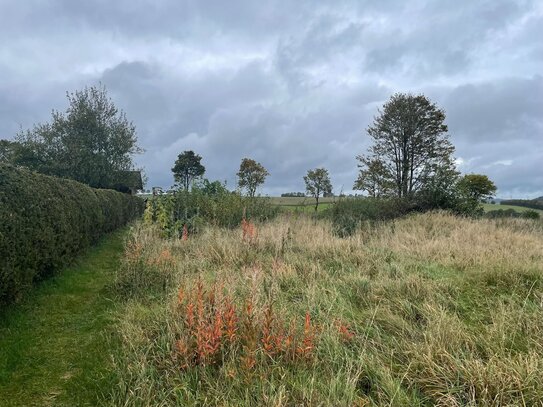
x: 344, y: 331
x: 248, y: 230
x: 164, y: 259
x: 212, y: 328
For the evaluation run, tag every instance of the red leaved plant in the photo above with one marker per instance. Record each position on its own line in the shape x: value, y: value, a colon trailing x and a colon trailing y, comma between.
x: 212, y: 328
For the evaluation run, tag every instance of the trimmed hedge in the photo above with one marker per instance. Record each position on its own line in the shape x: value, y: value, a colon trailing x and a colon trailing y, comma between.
x: 46, y: 221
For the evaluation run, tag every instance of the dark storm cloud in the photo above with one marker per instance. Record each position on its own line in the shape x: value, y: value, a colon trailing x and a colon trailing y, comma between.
x: 291, y: 84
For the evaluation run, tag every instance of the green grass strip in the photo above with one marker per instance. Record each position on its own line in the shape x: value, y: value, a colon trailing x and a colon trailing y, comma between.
x: 55, y: 346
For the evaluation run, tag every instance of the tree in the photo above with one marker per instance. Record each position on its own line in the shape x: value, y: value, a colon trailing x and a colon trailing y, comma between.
x: 317, y: 182
x: 92, y: 142
x: 187, y: 167
x: 212, y: 188
x: 410, y: 146
x: 251, y: 174
x: 476, y: 187
x: 373, y: 178
x: 8, y: 151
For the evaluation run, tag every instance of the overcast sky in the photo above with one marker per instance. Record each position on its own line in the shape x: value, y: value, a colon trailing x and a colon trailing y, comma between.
x: 292, y: 84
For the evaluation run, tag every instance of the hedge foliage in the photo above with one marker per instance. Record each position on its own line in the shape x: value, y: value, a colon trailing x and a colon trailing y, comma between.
x: 45, y: 221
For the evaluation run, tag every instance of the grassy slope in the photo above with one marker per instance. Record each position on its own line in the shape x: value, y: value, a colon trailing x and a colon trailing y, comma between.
x: 494, y: 207
x: 52, y: 346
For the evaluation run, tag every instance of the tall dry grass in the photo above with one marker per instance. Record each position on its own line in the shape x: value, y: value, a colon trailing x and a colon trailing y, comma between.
x: 427, y: 310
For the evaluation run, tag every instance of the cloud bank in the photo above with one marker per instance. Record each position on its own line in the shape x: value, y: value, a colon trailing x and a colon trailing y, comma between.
x: 293, y: 85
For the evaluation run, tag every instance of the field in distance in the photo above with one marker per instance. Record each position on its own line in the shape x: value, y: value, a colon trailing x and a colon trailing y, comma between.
x: 302, y: 200
x: 494, y: 207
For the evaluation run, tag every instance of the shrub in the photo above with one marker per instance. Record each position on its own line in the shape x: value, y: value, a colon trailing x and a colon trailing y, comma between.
x: 501, y: 213
x: 347, y: 215
x: 45, y: 221
x: 530, y: 214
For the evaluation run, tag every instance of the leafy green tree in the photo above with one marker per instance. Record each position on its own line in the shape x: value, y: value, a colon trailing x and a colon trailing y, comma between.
x: 441, y: 192
x: 410, y: 146
x: 212, y: 188
x: 373, y: 178
x: 317, y: 182
x: 92, y: 142
x: 251, y: 175
x: 476, y: 187
x: 187, y: 168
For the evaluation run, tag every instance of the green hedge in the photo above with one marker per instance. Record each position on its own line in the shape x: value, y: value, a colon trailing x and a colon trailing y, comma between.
x: 46, y: 221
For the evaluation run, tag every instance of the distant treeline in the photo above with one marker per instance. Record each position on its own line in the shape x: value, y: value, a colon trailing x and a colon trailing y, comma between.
x: 293, y: 194
x: 527, y: 203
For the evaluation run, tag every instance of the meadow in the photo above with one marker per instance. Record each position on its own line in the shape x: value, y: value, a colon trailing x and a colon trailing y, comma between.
x: 492, y: 207
x: 428, y: 309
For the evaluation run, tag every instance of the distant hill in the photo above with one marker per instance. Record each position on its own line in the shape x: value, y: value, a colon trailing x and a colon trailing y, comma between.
x: 527, y: 203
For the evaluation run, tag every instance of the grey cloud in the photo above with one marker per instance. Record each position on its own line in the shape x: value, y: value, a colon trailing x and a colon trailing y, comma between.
x: 291, y: 84
x: 500, y: 110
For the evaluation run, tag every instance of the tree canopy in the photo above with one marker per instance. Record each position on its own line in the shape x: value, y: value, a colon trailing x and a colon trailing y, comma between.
x: 373, y: 178
x: 476, y: 187
x: 251, y: 175
x: 410, y: 147
x: 8, y: 151
x: 317, y: 182
x: 187, y: 168
x: 92, y: 142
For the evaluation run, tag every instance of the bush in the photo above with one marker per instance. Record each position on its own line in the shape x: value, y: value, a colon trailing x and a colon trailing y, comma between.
x: 347, y: 215
x: 530, y: 214
x: 501, y: 213
x: 45, y: 221
x: 197, y: 208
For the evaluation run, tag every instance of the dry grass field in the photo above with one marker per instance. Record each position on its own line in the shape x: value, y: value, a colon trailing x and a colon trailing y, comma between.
x: 426, y: 310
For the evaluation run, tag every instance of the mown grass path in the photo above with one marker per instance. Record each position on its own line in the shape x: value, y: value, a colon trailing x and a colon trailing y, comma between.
x: 55, y: 347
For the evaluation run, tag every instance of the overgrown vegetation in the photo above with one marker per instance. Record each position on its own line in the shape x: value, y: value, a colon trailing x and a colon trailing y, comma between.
x: 206, y: 204
x: 429, y: 309
x: 350, y: 215
x: 45, y: 221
